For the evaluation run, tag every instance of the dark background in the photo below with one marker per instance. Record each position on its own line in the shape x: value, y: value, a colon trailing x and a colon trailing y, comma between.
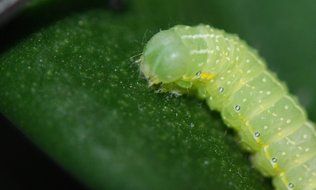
x: 23, y: 166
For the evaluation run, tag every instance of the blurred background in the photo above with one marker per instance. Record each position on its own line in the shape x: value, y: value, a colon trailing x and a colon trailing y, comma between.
x: 24, y: 166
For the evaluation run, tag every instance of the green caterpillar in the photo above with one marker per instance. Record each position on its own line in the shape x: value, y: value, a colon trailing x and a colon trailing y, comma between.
x: 234, y: 80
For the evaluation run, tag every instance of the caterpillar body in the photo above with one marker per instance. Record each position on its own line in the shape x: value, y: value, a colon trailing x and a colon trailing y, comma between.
x: 234, y: 80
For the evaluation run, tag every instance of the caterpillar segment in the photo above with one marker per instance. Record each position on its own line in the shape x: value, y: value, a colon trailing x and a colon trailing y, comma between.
x: 234, y: 80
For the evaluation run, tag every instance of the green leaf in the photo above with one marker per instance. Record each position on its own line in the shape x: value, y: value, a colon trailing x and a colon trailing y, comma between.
x: 69, y: 81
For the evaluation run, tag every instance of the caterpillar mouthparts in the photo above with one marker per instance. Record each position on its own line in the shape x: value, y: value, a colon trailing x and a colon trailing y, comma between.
x: 233, y: 79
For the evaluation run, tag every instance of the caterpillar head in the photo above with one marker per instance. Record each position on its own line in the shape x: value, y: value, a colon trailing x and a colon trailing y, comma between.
x: 165, y: 59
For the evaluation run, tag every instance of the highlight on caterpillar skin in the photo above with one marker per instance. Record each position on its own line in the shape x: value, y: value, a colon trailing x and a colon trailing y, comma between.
x: 233, y: 79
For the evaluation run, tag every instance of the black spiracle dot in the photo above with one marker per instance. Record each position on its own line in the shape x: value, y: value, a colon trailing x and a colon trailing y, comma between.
x: 274, y: 160
x: 291, y: 185
x: 237, y: 108
x: 257, y: 134
x: 220, y: 89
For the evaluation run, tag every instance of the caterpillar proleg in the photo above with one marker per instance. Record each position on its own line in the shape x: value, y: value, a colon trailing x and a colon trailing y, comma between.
x: 234, y: 80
